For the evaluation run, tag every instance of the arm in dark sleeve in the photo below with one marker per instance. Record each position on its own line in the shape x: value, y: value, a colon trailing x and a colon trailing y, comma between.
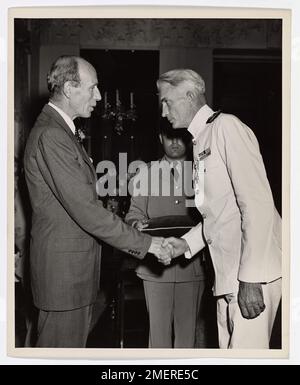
x: 58, y: 163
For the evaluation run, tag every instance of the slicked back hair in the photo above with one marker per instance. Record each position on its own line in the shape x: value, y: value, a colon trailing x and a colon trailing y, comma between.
x: 178, y: 76
x: 65, y: 68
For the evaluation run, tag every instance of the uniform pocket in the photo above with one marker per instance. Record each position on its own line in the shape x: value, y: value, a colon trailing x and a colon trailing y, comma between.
x: 211, y: 165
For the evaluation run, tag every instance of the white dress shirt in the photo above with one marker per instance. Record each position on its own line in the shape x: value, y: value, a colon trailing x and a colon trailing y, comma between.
x: 65, y: 117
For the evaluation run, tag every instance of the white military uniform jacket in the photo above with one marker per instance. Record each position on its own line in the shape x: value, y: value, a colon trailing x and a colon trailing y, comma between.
x: 240, y: 223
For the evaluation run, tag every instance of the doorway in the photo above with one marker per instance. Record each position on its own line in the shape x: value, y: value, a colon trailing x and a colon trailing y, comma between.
x: 247, y: 83
x: 125, y: 72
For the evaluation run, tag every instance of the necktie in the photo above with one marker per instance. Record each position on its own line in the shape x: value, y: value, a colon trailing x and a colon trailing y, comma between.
x: 175, y: 171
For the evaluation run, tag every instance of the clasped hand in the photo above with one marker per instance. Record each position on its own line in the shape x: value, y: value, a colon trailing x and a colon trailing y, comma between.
x: 166, y: 249
x: 162, y: 250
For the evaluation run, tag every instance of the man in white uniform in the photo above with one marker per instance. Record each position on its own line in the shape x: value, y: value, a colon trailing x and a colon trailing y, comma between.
x: 240, y: 223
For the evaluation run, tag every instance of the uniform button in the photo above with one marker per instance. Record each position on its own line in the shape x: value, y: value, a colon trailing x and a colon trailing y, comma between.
x: 194, y: 142
x: 176, y: 202
x: 209, y: 241
x: 204, y: 216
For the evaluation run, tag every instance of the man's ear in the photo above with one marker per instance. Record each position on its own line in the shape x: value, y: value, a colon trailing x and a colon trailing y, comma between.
x: 190, y: 95
x: 67, y: 89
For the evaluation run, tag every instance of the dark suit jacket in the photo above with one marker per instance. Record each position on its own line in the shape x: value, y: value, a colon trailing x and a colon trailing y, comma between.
x: 68, y: 219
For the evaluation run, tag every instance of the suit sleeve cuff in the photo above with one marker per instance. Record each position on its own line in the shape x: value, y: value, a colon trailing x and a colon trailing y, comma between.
x: 194, y: 240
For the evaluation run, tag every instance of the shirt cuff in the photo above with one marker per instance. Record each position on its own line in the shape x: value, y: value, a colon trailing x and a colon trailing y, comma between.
x: 188, y: 254
x: 194, y: 240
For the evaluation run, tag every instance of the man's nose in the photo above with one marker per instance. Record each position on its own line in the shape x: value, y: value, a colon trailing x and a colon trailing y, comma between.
x: 175, y: 140
x: 165, y: 110
x: 97, y: 94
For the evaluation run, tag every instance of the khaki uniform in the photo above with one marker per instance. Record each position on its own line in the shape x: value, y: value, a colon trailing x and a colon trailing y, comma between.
x: 173, y: 293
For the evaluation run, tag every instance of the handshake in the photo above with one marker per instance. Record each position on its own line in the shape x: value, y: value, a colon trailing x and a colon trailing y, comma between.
x: 166, y: 249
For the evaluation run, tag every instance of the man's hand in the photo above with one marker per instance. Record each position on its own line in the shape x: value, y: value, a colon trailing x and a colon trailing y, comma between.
x: 251, y: 299
x: 162, y: 250
x: 179, y: 245
x: 141, y: 224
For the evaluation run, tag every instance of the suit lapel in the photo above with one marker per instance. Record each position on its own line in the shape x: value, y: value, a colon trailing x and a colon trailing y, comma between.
x: 87, y: 159
x: 53, y: 114
x: 48, y: 110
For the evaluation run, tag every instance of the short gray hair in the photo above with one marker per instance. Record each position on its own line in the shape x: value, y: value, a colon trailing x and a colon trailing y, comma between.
x: 177, y: 76
x: 65, y: 68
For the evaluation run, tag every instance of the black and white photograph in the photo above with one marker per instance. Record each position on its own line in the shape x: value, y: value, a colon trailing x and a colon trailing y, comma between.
x: 149, y: 186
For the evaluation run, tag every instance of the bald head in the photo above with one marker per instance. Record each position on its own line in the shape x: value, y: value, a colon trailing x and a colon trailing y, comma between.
x: 65, y: 69
x: 73, y: 86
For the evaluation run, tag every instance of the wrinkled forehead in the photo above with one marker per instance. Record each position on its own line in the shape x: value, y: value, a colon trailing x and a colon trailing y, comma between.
x: 168, y: 91
x: 165, y: 89
x: 87, y: 72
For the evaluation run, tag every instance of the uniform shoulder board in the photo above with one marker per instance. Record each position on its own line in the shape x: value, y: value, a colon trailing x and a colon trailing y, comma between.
x: 213, y: 117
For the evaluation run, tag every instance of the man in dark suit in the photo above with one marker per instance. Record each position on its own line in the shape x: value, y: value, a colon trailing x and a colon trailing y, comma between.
x: 68, y: 219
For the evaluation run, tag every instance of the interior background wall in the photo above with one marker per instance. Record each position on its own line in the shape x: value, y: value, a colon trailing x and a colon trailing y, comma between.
x: 180, y: 43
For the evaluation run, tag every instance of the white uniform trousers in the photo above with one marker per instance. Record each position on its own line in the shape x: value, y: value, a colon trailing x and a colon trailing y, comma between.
x: 236, y: 332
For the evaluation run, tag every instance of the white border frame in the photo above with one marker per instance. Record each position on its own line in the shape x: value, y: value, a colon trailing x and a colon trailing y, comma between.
x: 182, y: 353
